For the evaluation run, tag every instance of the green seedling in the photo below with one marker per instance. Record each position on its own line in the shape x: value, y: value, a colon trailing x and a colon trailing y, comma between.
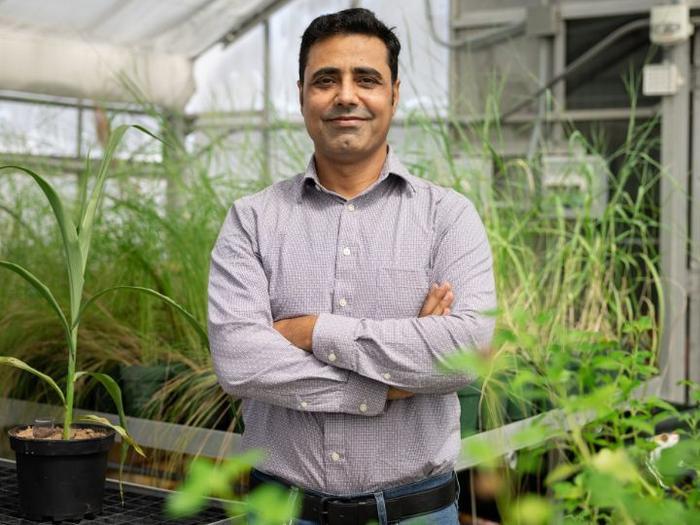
x: 76, y: 240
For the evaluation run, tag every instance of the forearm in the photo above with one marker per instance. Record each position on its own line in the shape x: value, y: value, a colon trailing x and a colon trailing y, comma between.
x: 255, y: 362
x: 405, y: 353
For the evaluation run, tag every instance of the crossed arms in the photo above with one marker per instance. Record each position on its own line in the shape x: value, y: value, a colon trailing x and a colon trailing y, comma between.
x: 332, y: 363
x: 299, y: 330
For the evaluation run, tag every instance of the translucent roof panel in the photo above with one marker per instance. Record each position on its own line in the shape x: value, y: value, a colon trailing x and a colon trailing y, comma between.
x: 180, y: 27
x: 230, y: 77
x: 114, y: 50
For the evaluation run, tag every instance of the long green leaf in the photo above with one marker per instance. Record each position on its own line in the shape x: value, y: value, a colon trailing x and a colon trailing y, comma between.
x: 88, y: 218
x: 118, y: 429
x: 112, y: 389
x: 190, y: 318
x: 69, y: 234
x: 12, y: 361
x: 43, y: 291
x: 116, y: 394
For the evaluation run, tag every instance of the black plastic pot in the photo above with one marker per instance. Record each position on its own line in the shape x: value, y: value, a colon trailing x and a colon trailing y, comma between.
x: 61, y: 479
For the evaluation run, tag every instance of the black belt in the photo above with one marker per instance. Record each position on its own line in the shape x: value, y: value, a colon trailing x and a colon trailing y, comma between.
x: 336, y: 510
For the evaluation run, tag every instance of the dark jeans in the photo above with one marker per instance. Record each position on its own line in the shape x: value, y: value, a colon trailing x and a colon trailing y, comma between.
x: 444, y: 516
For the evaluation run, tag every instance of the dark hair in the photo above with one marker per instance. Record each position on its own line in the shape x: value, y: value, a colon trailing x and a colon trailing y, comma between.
x: 348, y: 22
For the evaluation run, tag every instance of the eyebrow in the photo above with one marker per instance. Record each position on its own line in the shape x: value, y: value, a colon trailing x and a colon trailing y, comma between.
x: 336, y: 71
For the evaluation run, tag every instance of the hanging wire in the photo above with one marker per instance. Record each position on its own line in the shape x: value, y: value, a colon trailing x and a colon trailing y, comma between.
x: 578, y: 63
x: 485, y: 39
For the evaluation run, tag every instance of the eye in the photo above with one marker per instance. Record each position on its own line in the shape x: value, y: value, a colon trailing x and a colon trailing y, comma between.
x: 368, y: 80
x: 324, y: 81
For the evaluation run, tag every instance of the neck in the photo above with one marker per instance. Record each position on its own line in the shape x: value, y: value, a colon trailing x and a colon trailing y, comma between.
x: 349, y: 179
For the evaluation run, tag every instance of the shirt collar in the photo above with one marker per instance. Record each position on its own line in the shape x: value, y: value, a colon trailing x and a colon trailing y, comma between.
x: 392, y: 166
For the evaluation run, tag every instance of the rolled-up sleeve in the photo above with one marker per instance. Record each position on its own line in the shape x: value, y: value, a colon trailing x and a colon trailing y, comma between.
x: 408, y: 353
x: 251, y: 359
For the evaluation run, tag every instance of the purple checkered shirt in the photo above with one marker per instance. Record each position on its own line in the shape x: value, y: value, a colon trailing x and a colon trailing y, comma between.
x: 364, y: 266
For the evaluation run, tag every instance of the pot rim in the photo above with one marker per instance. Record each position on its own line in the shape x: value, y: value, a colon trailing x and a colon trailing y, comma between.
x: 109, y: 432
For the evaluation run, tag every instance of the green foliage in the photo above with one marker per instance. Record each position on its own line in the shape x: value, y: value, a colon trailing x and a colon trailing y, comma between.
x: 76, y: 243
x: 269, y: 504
x: 599, y: 427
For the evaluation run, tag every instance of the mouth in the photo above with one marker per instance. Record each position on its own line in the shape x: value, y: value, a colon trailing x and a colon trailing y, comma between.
x: 347, y: 121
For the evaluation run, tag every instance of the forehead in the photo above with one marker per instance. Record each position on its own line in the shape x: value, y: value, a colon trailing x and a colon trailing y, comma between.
x: 347, y: 52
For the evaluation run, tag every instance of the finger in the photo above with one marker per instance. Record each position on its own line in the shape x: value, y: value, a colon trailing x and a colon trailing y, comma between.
x: 435, y: 295
x: 444, y: 303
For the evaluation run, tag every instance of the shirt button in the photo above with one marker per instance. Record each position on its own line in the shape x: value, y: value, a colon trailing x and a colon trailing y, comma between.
x: 351, y: 207
x: 387, y: 376
x: 331, y: 357
x: 335, y: 456
x: 343, y: 302
x: 363, y: 407
x: 346, y: 251
x: 304, y: 404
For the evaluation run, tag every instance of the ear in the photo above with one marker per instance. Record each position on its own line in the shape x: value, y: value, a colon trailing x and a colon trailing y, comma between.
x: 395, y: 96
x: 300, y: 87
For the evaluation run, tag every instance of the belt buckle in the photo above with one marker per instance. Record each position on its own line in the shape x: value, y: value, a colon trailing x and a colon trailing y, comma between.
x: 339, y: 511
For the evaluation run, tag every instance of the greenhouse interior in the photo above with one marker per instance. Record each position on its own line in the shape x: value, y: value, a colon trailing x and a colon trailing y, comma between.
x: 512, y: 338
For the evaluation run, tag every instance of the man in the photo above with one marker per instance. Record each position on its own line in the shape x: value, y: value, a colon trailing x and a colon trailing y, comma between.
x: 335, y: 296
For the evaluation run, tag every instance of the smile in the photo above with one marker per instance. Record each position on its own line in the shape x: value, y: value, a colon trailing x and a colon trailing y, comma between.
x: 346, y: 121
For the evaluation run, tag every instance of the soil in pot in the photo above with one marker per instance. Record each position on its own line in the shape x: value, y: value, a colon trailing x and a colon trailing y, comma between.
x: 61, y: 479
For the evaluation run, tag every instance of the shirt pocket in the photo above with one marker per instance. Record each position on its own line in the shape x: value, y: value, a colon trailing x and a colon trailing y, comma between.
x: 400, y: 292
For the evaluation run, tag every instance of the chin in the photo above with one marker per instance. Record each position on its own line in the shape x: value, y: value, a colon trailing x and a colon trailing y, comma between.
x: 345, y: 146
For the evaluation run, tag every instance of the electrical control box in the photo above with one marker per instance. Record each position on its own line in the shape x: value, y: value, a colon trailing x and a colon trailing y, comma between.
x: 670, y: 24
x: 661, y: 79
x: 578, y: 183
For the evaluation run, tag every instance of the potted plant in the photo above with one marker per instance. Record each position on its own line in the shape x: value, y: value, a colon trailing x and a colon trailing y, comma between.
x: 62, y: 476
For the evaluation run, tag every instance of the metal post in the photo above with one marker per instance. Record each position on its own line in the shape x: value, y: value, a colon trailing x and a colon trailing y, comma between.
x: 694, y: 288
x: 673, y: 229
x: 557, y: 134
x: 266, y: 175
x: 173, y: 189
x: 80, y: 175
x: 79, y: 131
x: 545, y: 47
x: 453, y: 103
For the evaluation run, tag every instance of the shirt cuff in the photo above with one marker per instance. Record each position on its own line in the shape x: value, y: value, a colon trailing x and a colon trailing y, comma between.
x: 333, y: 341
x: 364, y: 396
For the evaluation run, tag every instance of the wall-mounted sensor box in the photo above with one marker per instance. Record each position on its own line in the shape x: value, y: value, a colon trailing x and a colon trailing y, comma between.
x: 670, y: 24
x: 661, y: 79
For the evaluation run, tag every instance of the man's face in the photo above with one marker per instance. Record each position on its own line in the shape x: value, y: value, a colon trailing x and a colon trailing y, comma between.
x: 347, y: 98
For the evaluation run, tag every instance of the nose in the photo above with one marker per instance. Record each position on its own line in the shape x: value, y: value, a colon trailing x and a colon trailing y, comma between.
x: 346, y: 95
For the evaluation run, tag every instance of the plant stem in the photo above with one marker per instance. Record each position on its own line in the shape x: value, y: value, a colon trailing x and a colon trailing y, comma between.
x: 68, y: 414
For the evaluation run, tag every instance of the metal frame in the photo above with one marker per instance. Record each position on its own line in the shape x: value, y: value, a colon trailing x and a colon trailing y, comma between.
x: 694, y: 262
x: 218, y: 444
x: 260, y: 16
x: 132, y: 489
x: 567, y: 10
x: 679, y: 264
x: 675, y: 130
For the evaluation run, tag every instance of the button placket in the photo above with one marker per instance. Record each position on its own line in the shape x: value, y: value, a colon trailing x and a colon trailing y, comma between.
x: 346, y: 259
x: 334, y: 431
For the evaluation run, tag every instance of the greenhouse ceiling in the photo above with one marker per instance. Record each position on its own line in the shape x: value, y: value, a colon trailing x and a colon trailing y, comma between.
x: 116, y: 50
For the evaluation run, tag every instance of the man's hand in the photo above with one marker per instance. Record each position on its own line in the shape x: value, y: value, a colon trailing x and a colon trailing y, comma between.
x: 297, y: 330
x: 437, y: 302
